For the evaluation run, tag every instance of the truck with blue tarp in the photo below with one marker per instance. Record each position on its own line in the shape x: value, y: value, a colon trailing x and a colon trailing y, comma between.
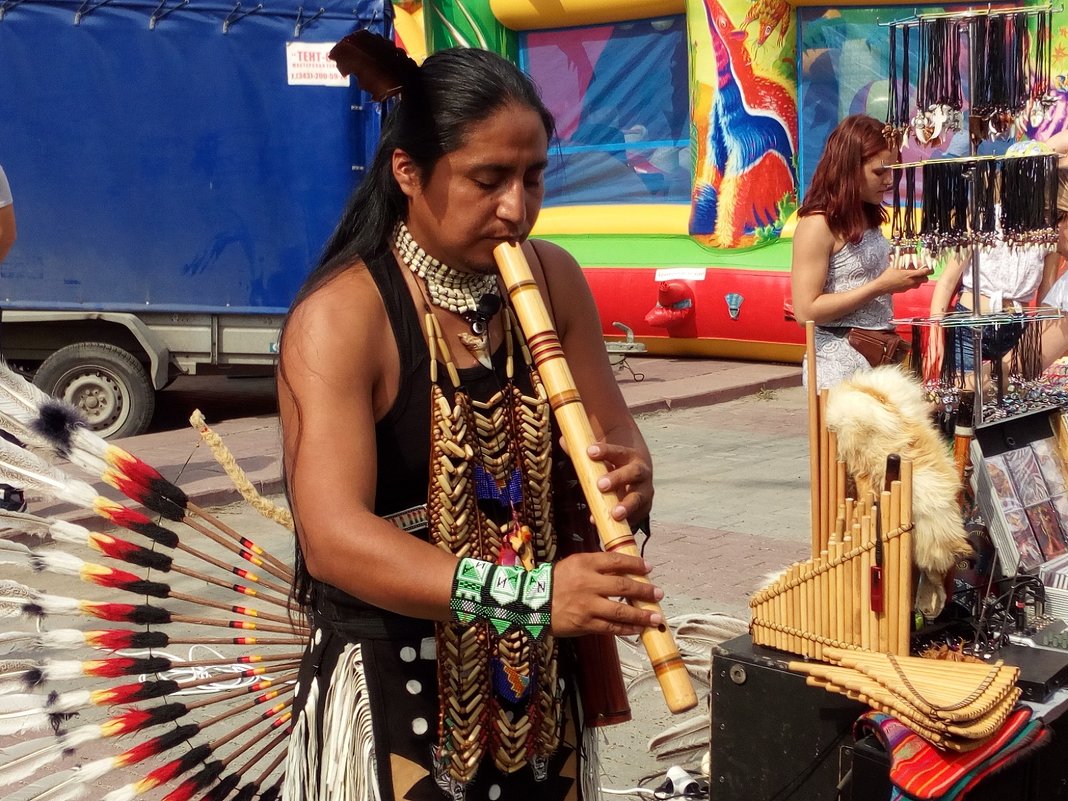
x: 176, y: 165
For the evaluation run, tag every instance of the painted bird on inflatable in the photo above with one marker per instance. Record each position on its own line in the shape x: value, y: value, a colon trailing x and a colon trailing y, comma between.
x: 98, y: 694
x: 749, y: 145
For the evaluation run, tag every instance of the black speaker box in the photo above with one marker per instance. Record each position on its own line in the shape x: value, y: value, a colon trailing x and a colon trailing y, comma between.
x: 775, y: 738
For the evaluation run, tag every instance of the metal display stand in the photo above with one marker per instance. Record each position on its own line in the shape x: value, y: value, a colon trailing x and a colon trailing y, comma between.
x: 975, y: 320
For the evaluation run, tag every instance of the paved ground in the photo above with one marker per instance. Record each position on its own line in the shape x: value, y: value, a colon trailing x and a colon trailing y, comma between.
x: 731, y: 474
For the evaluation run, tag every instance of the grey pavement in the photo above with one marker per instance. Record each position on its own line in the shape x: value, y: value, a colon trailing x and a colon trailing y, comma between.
x: 730, y: 458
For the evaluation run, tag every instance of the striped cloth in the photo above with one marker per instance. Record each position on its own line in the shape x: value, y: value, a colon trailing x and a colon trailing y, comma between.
x: 921, y: 772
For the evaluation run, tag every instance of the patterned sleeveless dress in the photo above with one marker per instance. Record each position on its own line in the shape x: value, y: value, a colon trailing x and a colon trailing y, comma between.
x: 852, y: 266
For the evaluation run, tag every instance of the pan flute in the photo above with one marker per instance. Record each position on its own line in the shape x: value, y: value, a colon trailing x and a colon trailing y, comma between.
x: 855, y: 592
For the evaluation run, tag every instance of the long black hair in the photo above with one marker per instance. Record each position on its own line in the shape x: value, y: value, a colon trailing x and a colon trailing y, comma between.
x: 452, y: 90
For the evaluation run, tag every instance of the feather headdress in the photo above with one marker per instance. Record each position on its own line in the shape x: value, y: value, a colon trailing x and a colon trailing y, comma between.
x: 71, y: 691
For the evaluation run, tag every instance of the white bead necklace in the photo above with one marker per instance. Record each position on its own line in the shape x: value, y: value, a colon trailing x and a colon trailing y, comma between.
x: 448, y: 288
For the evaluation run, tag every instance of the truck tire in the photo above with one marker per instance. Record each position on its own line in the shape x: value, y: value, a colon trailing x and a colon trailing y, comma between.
x: 107, y: 383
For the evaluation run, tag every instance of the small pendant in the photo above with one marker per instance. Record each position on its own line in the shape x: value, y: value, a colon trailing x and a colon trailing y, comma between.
x: 478, y: 346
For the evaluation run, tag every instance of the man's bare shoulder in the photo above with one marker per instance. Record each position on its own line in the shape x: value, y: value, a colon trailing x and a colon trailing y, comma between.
x: 339, y: 321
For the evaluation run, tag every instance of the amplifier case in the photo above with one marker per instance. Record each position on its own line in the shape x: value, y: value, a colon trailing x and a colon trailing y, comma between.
x: 773, y: 736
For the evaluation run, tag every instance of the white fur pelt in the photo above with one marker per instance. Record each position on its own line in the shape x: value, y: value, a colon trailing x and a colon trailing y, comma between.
x: 882, y: 411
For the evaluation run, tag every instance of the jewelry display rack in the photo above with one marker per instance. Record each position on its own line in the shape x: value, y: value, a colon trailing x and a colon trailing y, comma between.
x: 930, y: 124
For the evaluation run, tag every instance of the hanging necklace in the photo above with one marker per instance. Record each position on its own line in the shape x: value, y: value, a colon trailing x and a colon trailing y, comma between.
x: 473, y: 296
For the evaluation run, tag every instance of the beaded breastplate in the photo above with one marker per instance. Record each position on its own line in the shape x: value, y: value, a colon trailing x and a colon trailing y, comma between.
x: 490, y: 498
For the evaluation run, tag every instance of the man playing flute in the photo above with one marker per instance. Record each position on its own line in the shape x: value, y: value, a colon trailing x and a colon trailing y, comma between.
x: 418, y: 460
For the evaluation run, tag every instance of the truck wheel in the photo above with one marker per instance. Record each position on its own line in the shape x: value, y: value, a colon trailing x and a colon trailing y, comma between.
x: 107, y: 383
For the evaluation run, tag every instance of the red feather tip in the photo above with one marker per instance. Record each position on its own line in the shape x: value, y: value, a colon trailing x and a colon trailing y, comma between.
x: 381, y: 68
x: 131, y: 466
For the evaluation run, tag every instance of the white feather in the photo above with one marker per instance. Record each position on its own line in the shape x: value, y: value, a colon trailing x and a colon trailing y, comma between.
x: 14, y: 605
x: 10, y: 640
x: 59, y: 639
x: 68, y: 532
x: 19, y: 725
x: 13, y: 523
x: 20, y: 703
x: 24, y: 759
x: 21, y: 403
x: 21, y: 398
x: 61, y: 562
x: 23, y: 521
x: 127, y: 793
x: 73, y: 701
x: 49, y: 604
x: 28, y: 470
x: 78, y: 781
x: 60, y: 670
x: 10, y: 547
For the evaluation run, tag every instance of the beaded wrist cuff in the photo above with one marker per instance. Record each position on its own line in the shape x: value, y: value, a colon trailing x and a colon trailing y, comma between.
x: 506, y: 597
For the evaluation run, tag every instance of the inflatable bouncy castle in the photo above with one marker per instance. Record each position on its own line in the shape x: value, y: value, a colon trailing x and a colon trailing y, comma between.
x: 687, y: 133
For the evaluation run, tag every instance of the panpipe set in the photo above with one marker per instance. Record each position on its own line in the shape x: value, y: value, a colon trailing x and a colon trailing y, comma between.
x: 952, y: 705
x: 856, y: 590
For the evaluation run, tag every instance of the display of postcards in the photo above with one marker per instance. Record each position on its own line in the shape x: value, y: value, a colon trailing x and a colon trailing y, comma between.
x: 1049, y: 463
x: 1060, y: 503
x: 1022, y: 465
x: 1047, y: 531
x: 1002, y: 484
x: 1054, y: 573
x: 1024, y: 539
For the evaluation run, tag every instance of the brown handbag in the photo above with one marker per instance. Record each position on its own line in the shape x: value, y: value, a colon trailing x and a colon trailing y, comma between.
x: 878, y: 347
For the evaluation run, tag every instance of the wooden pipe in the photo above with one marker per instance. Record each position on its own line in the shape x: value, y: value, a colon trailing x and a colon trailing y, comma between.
x: 575, y: 427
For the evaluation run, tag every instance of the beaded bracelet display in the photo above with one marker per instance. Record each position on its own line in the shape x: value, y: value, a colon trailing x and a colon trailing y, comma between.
x: 506, y: 597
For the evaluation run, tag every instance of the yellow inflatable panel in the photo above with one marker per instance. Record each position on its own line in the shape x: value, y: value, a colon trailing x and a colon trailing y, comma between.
x: 661, y: 218
x: 525, y: 15
x: 409, y: 27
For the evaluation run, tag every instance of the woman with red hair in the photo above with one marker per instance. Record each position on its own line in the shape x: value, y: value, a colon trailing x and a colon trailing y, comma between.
x: 841, y: 277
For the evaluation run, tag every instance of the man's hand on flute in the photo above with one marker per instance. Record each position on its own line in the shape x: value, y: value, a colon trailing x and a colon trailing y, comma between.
x: 629, y: 475
x: 586, y: 589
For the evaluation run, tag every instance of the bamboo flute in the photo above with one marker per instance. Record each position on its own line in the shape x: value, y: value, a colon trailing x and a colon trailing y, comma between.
x: 833, y: 498
x: 813, y: 435
x: 891, y: 549
x: 779, y: 607
x: 839, y: 591
x: 817, y: 605
x: 806, y: 613
x: 840, y: 480
x: 906, y: 597
x: 575, y: 426
x: 884, y: 528
x: 866, y: 615
x: 826, y: 595
x: 847, y: 591
x: 792, y: 607
x: 858, y: 598
x: 893, y: 588
x: 825, y: 472
x: 832, y: 589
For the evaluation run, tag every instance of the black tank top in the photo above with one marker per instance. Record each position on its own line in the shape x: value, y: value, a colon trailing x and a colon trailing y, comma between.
x: 402, y: 436
x: 402, y: 440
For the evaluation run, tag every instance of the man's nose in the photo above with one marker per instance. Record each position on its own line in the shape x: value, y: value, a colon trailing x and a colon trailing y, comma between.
x: 512, y: 205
